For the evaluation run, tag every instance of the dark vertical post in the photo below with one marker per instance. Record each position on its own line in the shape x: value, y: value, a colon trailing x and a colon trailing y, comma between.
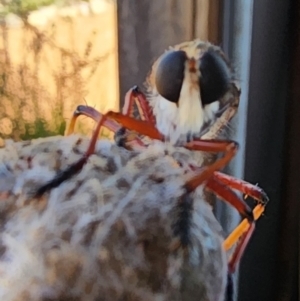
x: 289, y: 208
x: 266, y: 124
x: 145, y: 30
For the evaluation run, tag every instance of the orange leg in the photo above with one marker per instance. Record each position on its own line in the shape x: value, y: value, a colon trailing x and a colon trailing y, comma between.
x: 91, y: 113
x: 228, y: 147
x: 240, y: 248
x: 243, y: 227
x: 250, y: 190
x: 128, y: 107
x: 133, y: 96
x: 142, y: 127
x: 222, y: 186
x: 130, y: 141
x: 246, y: 188
x: 226, y: 194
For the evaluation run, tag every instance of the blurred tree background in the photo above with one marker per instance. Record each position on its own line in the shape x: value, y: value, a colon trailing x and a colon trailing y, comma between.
x: 23, y: 8
x: 53, y: 57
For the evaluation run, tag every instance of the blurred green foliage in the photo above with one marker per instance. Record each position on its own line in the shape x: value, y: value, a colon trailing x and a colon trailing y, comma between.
x: 22, y: 92
x: 22, y: 7
x: 41, y: 130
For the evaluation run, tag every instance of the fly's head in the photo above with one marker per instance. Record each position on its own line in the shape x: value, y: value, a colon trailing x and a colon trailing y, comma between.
x: 191, y: 91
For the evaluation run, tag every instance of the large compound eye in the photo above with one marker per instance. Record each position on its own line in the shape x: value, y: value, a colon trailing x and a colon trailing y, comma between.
x: 214, y: 78
x: 170, y: 74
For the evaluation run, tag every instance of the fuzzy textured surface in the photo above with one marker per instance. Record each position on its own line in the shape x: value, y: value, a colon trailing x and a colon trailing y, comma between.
x: 112, y: 232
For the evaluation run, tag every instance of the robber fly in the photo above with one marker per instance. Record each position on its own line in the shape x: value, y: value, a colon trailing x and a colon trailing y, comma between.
x: 191, y: 98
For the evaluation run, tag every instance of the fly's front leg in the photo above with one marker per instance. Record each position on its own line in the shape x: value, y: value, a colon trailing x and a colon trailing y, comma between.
x: 136, y: 96
x: 93, y: 114
x: 131, y: 140
x: 123, y: 138
x: 133, y: 96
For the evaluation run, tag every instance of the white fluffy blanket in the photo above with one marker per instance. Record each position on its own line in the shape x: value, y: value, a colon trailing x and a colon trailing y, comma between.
x: 110, y: 232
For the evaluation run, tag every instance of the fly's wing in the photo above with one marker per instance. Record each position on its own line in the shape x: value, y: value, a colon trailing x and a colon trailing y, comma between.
x: 120, y: 229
